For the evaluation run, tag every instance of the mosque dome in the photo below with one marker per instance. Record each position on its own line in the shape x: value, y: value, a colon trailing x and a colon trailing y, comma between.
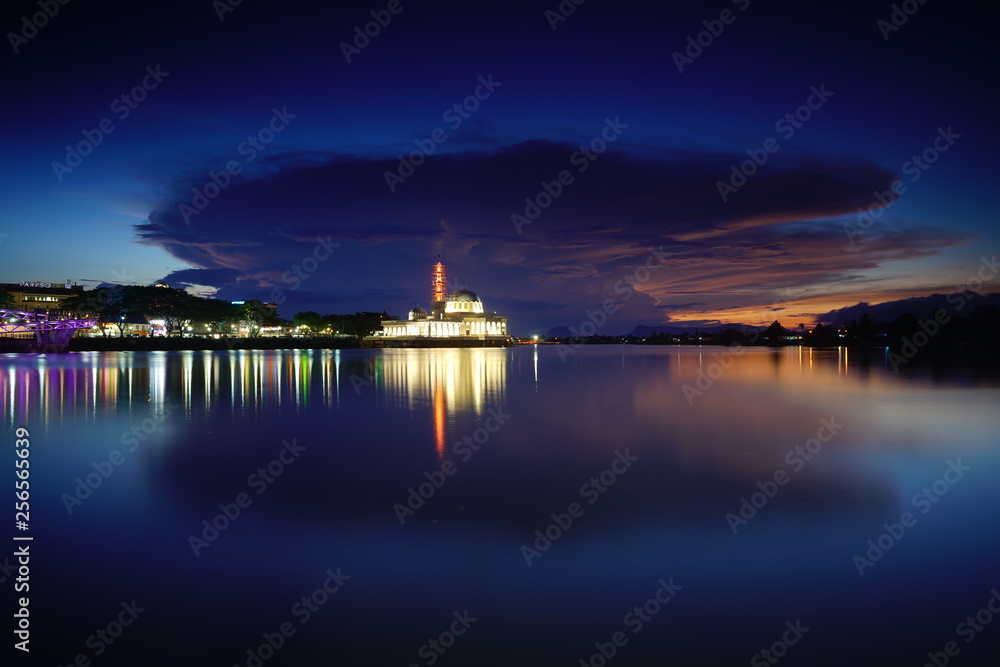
x: 464, y: 295
x: 463, y: 301
x: 417, y: 313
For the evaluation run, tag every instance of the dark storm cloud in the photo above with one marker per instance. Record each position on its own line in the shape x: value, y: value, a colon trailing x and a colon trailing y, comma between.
x: 776, y: 228
x: 348, y: 195
x: 213, y: 277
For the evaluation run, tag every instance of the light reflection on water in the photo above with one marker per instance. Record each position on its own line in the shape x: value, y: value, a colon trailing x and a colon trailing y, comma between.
x: 373, y: 422
x: 43, y: 387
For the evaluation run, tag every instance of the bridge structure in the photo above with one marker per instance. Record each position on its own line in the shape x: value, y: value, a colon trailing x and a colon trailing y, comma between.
x: 38, y: 332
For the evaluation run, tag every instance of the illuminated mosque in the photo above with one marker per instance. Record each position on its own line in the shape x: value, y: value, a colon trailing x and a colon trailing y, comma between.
x: 454, y: 319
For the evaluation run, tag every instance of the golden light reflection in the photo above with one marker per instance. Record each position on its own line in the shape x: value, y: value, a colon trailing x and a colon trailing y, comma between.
x: 470, y: 379
x: 708, y: 400
x: 439, y: 420
x: 443, y: 381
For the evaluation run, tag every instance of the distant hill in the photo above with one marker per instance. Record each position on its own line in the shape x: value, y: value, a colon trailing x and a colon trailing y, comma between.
x: 641, y: 331
x: 921, y: 307
x: 645, y: 330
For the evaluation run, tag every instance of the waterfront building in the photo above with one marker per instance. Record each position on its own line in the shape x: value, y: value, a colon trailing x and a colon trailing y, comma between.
x: 456, y: 318
x: 40, y: 297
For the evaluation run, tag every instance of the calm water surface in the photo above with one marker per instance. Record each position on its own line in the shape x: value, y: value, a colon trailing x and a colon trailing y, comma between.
x: 329, y: 447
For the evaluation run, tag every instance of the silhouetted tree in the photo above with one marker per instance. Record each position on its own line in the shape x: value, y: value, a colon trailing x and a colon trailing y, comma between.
x: 108, y: 305
x: 363, y: 324
x: 984, y: 326
x: 311, y: 319
x: 904, y: 325
x: 254, y: 315
x: 213, y: 312
x: 862, y: 332
x: 823, y: 335
x: 775, y: 334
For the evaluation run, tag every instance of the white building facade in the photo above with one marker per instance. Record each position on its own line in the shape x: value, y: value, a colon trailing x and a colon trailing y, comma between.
x: 460, y: 316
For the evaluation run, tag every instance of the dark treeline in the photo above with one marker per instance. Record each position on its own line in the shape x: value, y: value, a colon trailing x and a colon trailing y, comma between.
x: 904, y: 336
x: 358, y: 325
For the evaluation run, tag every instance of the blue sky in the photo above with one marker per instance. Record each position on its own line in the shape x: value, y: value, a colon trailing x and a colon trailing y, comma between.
x: 116, y: 216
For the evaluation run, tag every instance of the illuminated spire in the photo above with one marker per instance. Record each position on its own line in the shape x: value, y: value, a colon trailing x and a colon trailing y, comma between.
x: 438, y: 283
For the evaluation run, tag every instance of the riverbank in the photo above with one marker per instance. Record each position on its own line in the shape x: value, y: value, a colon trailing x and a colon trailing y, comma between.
x: 173, y: 344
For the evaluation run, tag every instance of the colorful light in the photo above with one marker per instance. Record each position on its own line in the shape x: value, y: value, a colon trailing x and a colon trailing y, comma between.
x: 47, y: 328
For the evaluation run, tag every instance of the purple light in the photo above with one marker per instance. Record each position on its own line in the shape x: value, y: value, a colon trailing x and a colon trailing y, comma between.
x: 47, y: 329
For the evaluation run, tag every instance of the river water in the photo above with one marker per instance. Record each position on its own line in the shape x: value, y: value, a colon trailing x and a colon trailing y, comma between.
x: 530, y: 506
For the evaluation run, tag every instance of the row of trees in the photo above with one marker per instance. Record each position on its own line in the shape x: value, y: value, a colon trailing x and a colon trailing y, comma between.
x: 358, y: 324
x: 980, y: 329
x: 120, y: 305
x: 943, y: 330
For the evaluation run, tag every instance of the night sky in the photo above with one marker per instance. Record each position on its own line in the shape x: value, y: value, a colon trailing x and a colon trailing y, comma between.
x: 266, y: 89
